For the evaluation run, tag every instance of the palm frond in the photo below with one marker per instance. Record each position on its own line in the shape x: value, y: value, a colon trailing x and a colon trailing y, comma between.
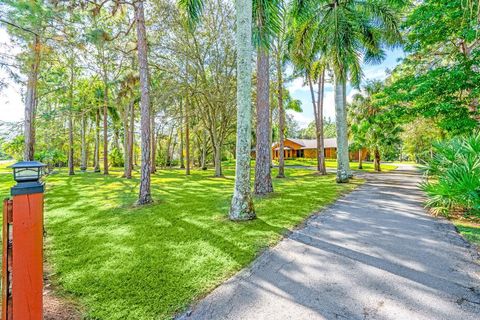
x: 193, y: 9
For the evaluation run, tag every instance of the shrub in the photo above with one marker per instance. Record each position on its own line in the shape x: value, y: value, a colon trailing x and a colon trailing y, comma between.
x: 116, y: 158
x: 14, y: 148
x: 454, y: 176
x: 52, y: 158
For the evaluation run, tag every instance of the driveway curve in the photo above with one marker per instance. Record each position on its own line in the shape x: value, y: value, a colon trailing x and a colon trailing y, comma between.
x: 374, y: 254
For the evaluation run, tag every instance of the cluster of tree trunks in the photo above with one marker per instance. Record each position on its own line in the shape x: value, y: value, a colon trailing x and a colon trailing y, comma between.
x: 318, y: 114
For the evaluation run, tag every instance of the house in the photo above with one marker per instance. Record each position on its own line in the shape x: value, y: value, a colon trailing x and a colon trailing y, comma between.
x: 307, y: 148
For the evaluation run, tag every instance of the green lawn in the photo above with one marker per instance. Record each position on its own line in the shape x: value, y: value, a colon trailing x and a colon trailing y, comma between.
x: 367, y: 166
x: 6, y: 179
x: 470, y: 231
x: 125, y: 262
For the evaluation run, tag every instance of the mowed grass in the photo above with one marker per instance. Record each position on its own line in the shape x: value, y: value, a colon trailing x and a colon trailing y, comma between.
x: 125, y: 262
x: 6, y: 179
x: 367, y: 166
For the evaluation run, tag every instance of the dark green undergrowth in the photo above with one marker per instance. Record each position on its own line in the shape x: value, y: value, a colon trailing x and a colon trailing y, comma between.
x: 125, y: 262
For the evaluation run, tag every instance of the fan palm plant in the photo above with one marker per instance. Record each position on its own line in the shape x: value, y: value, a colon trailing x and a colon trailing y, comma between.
x: 344, y: 33
x: 455, y: 168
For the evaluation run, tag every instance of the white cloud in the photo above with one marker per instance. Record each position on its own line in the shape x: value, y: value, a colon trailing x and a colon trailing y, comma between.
x: 351, y: 94
x: 297, y: 85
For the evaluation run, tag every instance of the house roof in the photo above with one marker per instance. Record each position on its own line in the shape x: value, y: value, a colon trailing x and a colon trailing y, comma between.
x: 312, y: 143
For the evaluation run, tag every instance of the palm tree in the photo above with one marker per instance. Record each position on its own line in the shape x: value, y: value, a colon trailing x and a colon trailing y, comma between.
x: 344, y: 32
x: 242, y: 204
x: 371, y: 126
x: 314, y: 71
x: 280, y: 53
x: 267, y: 23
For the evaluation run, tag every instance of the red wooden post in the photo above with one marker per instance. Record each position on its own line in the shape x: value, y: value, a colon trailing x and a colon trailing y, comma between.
x: 7, y: 260
x: 27, y: 282
x: 22, y: 269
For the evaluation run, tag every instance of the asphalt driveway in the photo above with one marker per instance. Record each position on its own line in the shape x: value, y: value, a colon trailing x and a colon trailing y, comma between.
x: 374, y: 254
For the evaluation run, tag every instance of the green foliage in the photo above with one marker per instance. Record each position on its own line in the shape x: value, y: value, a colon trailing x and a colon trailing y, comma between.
x: 51, y: 157
x: 343, y: 32
x: 267, y: 22
x: 14, y: 148
x: 418, y: 137
x: 329, y: 130
x: 3, y: 154
x: 193, y: 8
x: 371, y: 124
x: 116, y: 157
x: 439, y: 79
x: 455, y: 169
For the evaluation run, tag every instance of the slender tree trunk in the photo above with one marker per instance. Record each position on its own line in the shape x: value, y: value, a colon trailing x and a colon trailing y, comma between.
x: 127, y: 166
x: 153, y: 161
x: 97, y: 142
x: 342, y: 139
x: 83, y: 133
x: 218, y: 160
x: 116, y: 138
x: 30, y: 103
x: 319, y: 126
x: 345, y: 111
x: 132, y: 140
x: 204, y: 151
x: 242, y: 204
x: 174, y: 146
x: 281, y: 120
x: 126, y: 130
x: 318, y: 136
x: 203, y: 159
x: 168, y: 160
x: 182, y: 160
x: 263, y: 175
x: 144, y: 196
x: 105, y: 127
x: 187, y: 138
x: 360, y: 159
x: 71, y: 170
x: 376, y: 161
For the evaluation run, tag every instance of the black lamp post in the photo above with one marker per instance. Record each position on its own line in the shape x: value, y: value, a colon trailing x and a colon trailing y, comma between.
x: 27, y: 174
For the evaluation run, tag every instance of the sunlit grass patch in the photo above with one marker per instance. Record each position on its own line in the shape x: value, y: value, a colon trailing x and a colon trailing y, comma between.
x: 367, y: 166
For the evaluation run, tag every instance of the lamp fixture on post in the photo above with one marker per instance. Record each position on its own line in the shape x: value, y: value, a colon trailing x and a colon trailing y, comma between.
x: 27, y: 174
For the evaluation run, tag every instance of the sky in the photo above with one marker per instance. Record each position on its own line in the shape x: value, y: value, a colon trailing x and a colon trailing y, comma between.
x: 11, y: 104
x: 12, y: 108
x: 302, y: 92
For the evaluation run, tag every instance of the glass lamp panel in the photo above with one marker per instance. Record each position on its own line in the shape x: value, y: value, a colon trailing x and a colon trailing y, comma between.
x: 26, y: 174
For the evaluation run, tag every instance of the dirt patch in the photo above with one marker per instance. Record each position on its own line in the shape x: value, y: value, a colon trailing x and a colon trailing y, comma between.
x: 58, y: 308
x: 55, y: 305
